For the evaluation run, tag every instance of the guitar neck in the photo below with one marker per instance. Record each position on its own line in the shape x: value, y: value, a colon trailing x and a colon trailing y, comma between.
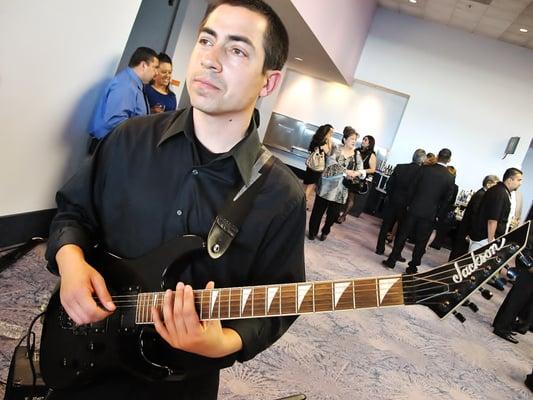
x: 284, y: 299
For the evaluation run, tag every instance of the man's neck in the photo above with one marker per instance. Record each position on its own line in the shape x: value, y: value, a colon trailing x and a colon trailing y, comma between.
x: 219, y: 133
x: 507, y: 186
x: 137, y: 71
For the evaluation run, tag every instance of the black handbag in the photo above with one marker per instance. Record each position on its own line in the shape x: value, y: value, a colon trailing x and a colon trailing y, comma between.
x: 355, y: 185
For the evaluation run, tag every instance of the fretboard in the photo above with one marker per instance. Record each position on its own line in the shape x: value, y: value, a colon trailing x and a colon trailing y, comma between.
x: 284, y: 299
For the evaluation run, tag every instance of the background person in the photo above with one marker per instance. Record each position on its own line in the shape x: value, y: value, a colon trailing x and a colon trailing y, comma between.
x: 321, y: 140
x: 398, y: 195
x: 124, y: 97
x: 369, y: 166
x: 160, y: 97
x: 495, y: 210
x: 431, y: 191
x: 331, y: 193
x: 461, y: 243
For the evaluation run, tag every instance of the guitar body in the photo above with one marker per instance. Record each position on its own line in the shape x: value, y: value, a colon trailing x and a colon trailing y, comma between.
x: 73, y: 355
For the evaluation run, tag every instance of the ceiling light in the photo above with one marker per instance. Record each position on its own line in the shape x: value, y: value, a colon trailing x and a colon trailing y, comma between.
x: 412, y: 1
x: 298, y: 59
x: 523, y: 30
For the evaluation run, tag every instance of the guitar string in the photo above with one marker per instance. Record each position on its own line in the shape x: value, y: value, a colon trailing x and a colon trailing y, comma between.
x: 258, y: 297
x: 133, y: 299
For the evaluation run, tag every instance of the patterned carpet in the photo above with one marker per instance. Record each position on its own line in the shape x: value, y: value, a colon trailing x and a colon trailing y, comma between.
x: 388, y: 353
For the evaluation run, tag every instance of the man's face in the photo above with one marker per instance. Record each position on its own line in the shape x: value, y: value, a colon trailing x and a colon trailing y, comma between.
x: 225, y: 72
x: 515, y: 182
x: 150, y: 70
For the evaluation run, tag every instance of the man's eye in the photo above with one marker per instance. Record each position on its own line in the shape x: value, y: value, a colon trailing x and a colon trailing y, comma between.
x: 204, y: 41
x: 238, y: 52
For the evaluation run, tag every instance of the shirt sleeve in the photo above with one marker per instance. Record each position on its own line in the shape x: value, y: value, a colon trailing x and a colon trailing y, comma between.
x: 76, y: 221
x: 120, y: 105
x: 280, y: 260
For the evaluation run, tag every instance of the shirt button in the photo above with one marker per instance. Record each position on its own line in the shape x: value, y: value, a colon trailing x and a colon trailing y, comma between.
x: 195, y: 172
x: 179, y: 212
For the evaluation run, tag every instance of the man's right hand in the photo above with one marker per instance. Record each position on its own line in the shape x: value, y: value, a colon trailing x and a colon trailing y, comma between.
x: 79, y: 282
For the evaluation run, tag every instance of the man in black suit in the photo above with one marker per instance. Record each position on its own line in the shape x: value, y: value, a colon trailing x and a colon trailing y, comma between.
x: 516, y: 311
x: 430, y: 191
x: 398, y: 195
x: 460, y: 244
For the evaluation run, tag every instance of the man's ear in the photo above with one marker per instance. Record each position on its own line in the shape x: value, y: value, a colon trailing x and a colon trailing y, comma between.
x: 273, y: 80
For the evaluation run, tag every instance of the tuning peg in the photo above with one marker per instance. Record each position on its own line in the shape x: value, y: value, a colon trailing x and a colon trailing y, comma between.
x: 486, y: 293
x: 473, y: 306
x: 511, y: 274
x: 497, y: 283
x: 459, y: 316
x: 470, y: 304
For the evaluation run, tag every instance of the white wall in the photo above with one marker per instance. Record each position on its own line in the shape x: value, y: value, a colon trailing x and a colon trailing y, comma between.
x: 333, y: 22
x: 55, y: 56
x: 190, y: 14
x: 467, y: 92
x: 527, y: 185
x: 370, y: 110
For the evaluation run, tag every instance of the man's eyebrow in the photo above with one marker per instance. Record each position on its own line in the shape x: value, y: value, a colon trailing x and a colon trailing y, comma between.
x: 232, y: 38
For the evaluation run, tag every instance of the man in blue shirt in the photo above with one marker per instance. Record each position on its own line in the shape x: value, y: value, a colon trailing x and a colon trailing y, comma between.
x: 124, y: 97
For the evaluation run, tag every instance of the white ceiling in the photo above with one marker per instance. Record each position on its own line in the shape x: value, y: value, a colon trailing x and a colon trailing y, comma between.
x: 500, y: 19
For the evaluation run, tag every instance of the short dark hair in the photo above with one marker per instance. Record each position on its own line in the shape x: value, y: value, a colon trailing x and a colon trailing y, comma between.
x: 445, y: 155
x: 349, y: 131
x: 164, y: 58
x: 141, y: 54
x: 510, y: 173
x: 276, y: 38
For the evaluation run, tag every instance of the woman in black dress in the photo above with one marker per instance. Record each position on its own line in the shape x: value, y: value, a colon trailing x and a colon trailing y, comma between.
x: 321, y: 140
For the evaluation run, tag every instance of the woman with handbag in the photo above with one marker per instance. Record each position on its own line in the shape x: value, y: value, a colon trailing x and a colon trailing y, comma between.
x: 331, y: 192
x: 369, y: 167
x: 319, y: 147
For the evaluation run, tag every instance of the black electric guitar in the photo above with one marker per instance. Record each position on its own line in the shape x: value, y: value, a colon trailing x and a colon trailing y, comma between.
x: 126, y: 341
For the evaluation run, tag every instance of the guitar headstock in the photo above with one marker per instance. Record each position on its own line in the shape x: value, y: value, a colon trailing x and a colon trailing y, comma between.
x: 445, y: 288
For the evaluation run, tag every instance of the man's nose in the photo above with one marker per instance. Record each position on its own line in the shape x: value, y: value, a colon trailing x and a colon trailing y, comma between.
x: 211, y: 59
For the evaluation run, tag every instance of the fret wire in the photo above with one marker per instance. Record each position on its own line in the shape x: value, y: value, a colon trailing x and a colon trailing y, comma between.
x: 279, y: 292
x: 218, y: 299
x: 229, y: 303
x: 353, y: 293
x: 333, y: 296
x: 266, y: 301
x: 202, y: 304
x: 378, y: 294
x: 392, y: 290
x: 313, y: 284
x: 295, y: 297
x: 240, y: 303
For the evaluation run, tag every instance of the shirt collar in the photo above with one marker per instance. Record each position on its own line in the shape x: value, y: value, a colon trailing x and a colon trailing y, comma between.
x: 135, y: 78
x: 244, y: 153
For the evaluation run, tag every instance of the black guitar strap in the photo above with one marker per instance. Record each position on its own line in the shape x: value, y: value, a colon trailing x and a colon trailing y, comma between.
x: 229, y: 220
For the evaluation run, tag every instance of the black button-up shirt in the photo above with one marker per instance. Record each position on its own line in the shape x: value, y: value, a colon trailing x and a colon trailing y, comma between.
x: 146, y: 185
x: 495, y: 205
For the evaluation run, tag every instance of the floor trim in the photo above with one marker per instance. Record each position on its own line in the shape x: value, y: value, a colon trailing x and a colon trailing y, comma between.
x: 19, y: 228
